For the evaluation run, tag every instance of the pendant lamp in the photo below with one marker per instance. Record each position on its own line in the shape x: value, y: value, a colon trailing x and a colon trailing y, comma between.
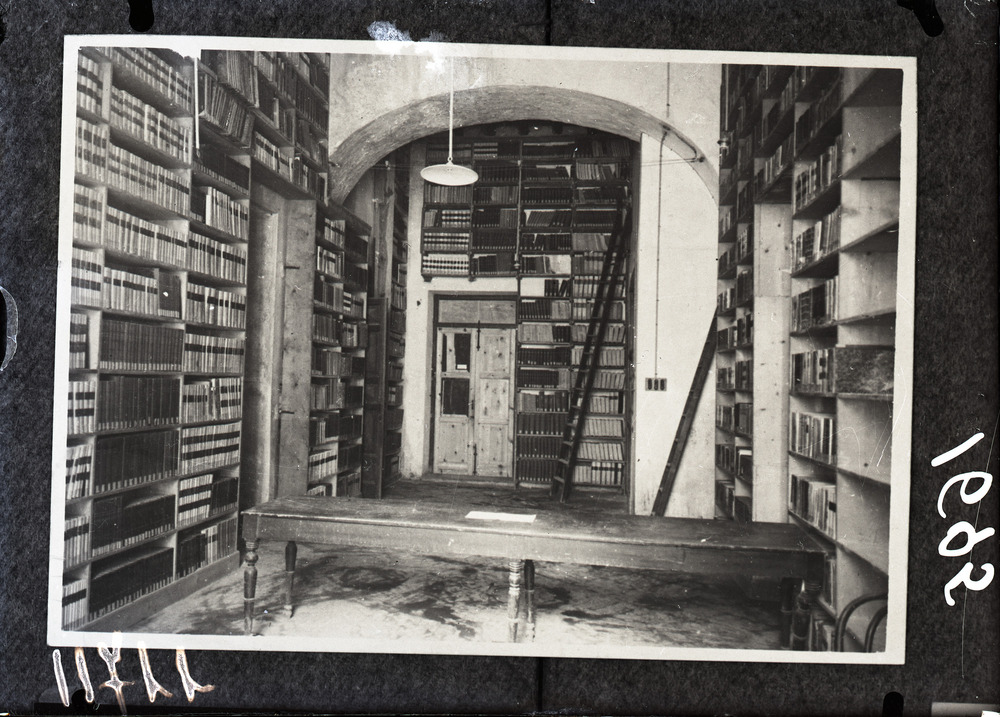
x: 449, y: 174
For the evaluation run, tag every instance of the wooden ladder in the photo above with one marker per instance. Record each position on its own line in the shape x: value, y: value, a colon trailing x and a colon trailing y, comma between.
x: 579, y: 405
x: 687, y: 420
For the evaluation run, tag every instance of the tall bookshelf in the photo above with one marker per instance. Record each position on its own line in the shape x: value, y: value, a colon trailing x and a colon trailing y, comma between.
x: 543, y: 211
x: 396, y: 339
x: 812, y: 179
x: 158, y: 307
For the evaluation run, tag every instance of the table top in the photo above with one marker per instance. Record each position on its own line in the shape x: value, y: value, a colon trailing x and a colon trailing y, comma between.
x: 623, y: 530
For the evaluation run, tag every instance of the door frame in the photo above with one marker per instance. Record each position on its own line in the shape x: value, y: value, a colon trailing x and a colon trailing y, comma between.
x: 436, y: 323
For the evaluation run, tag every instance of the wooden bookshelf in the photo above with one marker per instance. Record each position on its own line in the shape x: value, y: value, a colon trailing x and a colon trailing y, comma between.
x: 543, y: 211
x: 158, y: 332
x: 815, y: 155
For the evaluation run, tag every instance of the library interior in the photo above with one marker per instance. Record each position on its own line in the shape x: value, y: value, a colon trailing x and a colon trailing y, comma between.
x: 648, y: 353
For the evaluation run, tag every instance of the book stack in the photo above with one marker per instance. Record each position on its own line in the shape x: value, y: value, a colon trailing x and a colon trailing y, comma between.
x: 206, y: 353
x: 148, y: 124
x: 92, y: 142
x: 87, y: 278
x: 152, y: 71
x: 207, y: 447
x: 88, y: 211
x: 813, y: 435
x: 194, y: 498
x: 133, y: 459
x: 814, y: 500
x: 137, y: 401
x: 199, y: 547
x: 543, y: 308
x: 82, y: 406
x: 212, y: 257
x: 130, y: 346
x: 215, y: 307
x: 147, y: 181
x: 212, y: 399
x: 89, y: 85
x: 79, y: 466
x: 76, y: 540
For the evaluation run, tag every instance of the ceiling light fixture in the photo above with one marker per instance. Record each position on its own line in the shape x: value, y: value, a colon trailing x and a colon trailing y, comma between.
x: 449, y: 174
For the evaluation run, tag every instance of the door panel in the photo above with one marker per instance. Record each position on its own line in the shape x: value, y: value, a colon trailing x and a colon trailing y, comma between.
x: 473, y: 432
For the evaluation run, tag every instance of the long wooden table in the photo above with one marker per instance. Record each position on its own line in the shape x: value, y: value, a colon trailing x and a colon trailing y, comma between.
x: 764, y: 550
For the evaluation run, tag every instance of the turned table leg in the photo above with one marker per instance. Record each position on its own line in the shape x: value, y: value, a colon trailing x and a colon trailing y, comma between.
x: 789, y: 588
x: 529, y: 590
x: 249, y: 586
x: 290, y: 551
x: 515, y: 569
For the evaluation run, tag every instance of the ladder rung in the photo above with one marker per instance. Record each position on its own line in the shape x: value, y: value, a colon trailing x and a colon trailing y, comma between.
x: 564, y: 461
x: 558, y: 479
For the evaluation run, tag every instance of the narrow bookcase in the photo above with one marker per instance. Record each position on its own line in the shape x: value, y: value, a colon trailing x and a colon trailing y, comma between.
x: 809, y: 217
x: 395, y: 348
x: 543, y: 211
x: 158, y: 321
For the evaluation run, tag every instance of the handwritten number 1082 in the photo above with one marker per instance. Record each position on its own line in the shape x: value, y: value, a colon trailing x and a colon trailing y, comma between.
x: 964, y: 527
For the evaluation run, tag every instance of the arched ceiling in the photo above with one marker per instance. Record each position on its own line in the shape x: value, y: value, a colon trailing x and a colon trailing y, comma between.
x: 487, y: 105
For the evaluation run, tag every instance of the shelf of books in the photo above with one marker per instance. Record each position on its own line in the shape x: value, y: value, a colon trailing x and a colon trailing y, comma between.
x: 158, y: 307
x: 339, y: 337
x: 826, y: 164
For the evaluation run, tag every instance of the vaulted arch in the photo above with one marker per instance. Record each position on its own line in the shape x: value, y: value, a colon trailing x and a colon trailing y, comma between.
x: 503, y: 103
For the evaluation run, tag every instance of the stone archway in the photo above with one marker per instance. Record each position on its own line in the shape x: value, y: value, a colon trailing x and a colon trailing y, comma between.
x: 360, y: 150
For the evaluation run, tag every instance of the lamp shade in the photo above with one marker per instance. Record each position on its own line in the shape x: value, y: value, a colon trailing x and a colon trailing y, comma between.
x: 448, y: 174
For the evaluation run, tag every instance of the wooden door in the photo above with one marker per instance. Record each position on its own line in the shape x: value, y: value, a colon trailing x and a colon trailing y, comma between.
x: 473, y: 421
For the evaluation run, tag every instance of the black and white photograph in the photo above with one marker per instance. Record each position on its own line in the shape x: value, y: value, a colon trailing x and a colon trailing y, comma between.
x: 478, y: 349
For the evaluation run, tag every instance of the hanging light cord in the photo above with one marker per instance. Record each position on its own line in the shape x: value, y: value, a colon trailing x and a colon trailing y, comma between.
x: 451, y: 110
x: 659, y: 227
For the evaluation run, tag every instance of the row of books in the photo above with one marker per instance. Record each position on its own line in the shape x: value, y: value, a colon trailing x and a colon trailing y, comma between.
x: 296, y: 172
x: 299, y: 79
x: 79, y: 467
x: 812, y: 180
x: 727, y: 218
x: 602, y: 171
x: 323, y: 464
x: 587, y: 264
x: 603, y: 427
x: 327, y: 328
x: 543, y: 333
x: 744, y: 375
x: 208, y: 447
x: 212, y: 399
x: 144, y: 122
x: 129, y: 346
x: 395, y: 347
x: 147, y: 181
x: 585, y: 287
x: 495, y: 217
x: 605, y: 473
x: 843, y: 369
x: 332, y: 231
x: 738, y: 417
x: 220, y: 106
x: 812, y: 119
x: 201, y: 547
x: 74, y: 603
x: 591, y: 450
x: 546, y: 264
x: 352, y: 336
x: 744, y: 203
x: 446, y: 241
x: 606, y: 402
x: 330, y: 362
x: 816, y: 306
x: 536, y: 470
x: 76, y: 540
x: 453, y: 217
x: 499, y: 173
x: 541, y: 401
x: 126, y: 579
x: 725, y: 496
x: 613, y: 333
x: 356, y: 276
x: 536, y: 446
x: 329, y: 263
x: 744, y: 242
x: 814, y: 500
x: 89, y: 85
x: 439, y: 194
x: 218, y: 307
x: 154, y: 72
x: 611, y: 356
x: 326, y: 395
x: 545, y: 424
x: 547, y: 172
x: 199, y: 497
x: 137, y: 401
x: 775, y: 165
x: 121, y: 521
x: 583, y: 310
x: 142, y: 291
x: 744, y: 286
x: 607, y: 378
x: 212, y: 257
x: 323, y: 427
x: 502, y: 194
x: 813, y: 435
x: 532, y: 309
x: 492, y: 264
x: 444, y: 265
x: 547, y: 195
x: 566, y: 217
x: 218, y: 210
x: 133, y: 459
x: 543, y: 378
x: 555, y: 356
x: 817, y: 240
x: 81, y: 412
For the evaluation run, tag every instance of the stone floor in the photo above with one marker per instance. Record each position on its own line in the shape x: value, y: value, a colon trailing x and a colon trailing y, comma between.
x: 366, y: 594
